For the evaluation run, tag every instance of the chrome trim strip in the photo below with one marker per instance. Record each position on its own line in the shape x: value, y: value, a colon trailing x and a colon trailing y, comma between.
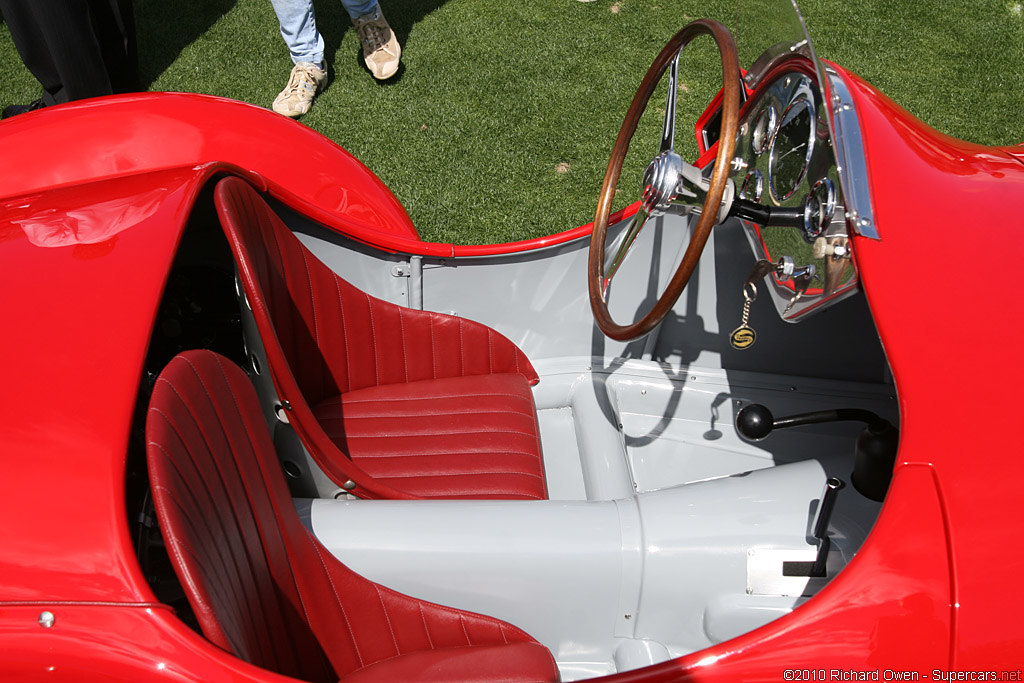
x: 849, y: 146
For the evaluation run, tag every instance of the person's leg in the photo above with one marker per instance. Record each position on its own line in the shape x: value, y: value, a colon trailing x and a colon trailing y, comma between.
x: 67, y: 26
x: 306, y: 45
x: 358, y: 8
x: 114, y: 24
x: 381, y: 51
x: 58, y: 42
x: 298, y: 28
x: 21, y: 21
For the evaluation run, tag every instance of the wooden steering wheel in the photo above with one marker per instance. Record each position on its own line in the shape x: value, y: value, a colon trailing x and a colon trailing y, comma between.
x: 663, y: 181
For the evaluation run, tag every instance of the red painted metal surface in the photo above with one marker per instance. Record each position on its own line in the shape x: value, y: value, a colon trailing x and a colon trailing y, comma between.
x: 131, y: 134
x: 110, y: 642
x: 947, y: 209
x: 84, y: 267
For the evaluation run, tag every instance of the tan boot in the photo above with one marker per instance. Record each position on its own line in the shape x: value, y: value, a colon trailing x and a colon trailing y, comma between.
x: 381, y: 50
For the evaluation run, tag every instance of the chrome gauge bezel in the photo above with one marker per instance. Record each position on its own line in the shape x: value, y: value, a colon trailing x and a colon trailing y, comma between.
x: 753, y: 186
x: 764, y: 128
x: 802, y: 100
x: 820, y: 208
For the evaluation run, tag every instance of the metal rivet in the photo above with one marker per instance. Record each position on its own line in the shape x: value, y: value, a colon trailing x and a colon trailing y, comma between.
x: 46, y: 619
x: 348, y: 485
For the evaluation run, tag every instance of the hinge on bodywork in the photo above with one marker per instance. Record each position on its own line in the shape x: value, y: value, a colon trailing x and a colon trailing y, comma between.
x: 412, y: 269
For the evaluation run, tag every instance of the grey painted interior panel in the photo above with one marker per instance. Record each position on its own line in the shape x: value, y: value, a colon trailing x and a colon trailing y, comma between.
x: 665, y: 530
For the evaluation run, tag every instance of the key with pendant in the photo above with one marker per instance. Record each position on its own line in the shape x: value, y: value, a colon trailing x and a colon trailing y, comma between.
x: 744, y: 336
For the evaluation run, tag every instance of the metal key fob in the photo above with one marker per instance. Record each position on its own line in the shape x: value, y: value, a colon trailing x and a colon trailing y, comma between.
x: 744, y: 336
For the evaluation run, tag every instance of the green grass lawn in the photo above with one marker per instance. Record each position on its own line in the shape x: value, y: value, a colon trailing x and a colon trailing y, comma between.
x: 500, y: 123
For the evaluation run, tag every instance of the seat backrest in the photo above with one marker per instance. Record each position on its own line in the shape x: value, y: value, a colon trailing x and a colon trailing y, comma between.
x: 212, y: 466
x: 324, y: 337
x: 335, y: 337
x: 261, y: 585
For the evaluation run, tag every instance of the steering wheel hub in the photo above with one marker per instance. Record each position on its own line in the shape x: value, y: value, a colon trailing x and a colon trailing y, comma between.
x: 661, y: 182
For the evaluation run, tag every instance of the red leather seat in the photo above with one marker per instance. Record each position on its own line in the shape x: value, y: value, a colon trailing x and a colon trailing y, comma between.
x: 417, y: 404
x: 262, y: 586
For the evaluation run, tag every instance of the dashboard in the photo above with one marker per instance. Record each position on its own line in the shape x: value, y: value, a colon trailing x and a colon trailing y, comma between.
x: 784, y: 157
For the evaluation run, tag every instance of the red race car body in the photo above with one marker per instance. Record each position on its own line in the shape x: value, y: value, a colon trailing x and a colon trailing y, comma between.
x: 672, y: 544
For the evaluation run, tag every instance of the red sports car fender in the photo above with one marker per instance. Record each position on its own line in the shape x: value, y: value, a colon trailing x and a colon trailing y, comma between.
x: 132, y: 134
x: 941, y: 206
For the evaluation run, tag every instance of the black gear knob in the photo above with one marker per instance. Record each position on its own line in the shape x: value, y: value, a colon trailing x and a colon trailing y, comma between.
x: 754, y: 421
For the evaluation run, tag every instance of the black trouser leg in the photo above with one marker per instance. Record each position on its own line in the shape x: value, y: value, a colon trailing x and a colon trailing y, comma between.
x: 74, y: 48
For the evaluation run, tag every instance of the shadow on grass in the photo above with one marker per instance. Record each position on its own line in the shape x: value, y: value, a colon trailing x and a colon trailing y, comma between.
x: 166, y: 28
x: 333, y: 22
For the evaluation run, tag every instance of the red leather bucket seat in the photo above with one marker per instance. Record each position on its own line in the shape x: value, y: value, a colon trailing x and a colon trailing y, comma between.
x: 260, y: 583
x: 389, y: 401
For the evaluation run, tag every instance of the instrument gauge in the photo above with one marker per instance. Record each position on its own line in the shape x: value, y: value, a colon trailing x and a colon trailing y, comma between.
x: 764, y: 127
x: 791, y: 148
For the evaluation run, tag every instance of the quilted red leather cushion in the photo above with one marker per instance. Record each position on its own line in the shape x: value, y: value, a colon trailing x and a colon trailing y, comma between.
x: 458, y: 437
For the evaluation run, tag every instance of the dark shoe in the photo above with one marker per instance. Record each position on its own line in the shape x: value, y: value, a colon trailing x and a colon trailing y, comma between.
x: 15, y: 109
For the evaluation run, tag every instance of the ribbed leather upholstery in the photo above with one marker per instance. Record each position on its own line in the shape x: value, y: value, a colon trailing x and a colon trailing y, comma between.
x: 262, y: 586
x: 461, y: 437
x: 325, y: 339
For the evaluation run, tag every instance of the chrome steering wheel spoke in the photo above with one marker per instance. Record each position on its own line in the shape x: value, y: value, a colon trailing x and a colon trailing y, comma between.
x: 622, y: 247
x: 668, y: 131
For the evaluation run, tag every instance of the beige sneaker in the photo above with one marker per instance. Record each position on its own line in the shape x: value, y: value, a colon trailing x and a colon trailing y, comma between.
x: 381, y: 50
x: 303, y: 85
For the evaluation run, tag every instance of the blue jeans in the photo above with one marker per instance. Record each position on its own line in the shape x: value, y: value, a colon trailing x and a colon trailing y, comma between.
x: 298, y: 26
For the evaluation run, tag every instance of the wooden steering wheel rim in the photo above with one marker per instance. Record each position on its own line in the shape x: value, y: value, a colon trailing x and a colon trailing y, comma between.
x: 726, y: 146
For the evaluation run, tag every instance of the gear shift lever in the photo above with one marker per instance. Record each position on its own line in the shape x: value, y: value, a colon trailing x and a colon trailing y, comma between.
x: 875, y: 454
